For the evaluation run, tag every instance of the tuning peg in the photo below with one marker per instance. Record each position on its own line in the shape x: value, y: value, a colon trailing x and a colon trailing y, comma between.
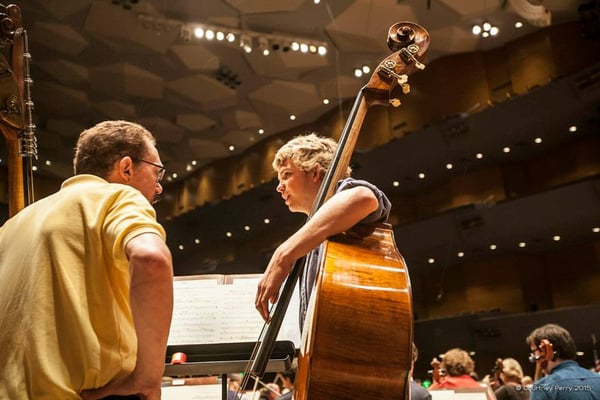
x: 408, y: 55
x: 395, y: 102
x: 405, y: 88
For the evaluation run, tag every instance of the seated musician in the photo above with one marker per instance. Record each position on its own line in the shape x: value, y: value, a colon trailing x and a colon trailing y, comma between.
x: 554, y: 351
x: 458, y: 367
x: 301, y: 165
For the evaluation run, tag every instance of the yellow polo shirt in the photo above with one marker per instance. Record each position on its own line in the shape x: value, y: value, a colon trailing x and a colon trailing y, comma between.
x: 65, y: 319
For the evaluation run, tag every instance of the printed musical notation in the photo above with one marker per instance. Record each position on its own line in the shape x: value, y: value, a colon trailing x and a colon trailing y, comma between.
x: 220, y: 309
x: 191, y: 392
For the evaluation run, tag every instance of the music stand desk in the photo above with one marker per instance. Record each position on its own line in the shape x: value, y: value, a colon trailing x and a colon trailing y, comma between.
x: 225, y: 358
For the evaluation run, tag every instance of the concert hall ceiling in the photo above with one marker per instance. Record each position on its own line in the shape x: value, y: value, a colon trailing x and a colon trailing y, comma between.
x: 93, y: 60
x: 210, y: 100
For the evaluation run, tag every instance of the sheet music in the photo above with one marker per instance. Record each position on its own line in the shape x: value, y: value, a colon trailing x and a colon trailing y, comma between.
x: 195, y: 392
x: 200, y: 392
x: 483, y: 393
x: 220, y: 309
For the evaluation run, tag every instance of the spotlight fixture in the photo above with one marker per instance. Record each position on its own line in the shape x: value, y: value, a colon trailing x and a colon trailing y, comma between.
x: 485, y: 30
x: 263, y: 46
x: 246, y: 43
x: 360, y: 71
x: 247, y: 39
x: 185, y: 33
x: 199, y: 33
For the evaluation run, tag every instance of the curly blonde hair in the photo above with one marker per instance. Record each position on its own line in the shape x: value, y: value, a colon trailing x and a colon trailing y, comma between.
x: 457, y: 362
x: 307, y: 151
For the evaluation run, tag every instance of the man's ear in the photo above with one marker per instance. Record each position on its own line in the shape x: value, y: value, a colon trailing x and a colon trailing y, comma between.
x: 124, y: 168
x: 317, y: 172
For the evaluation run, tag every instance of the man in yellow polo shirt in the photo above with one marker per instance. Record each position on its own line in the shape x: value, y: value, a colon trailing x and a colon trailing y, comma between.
x: 86, y: 277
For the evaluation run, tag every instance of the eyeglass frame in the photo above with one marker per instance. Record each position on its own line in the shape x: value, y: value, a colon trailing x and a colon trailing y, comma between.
x: 161, y: 168
x: 533, y: 358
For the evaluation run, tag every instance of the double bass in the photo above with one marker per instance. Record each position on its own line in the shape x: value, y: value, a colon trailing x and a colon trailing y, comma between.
x: 16, y: 121
x: 358, y: 331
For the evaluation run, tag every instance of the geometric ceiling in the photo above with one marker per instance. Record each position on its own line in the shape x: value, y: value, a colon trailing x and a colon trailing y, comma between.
x: 207, y: 100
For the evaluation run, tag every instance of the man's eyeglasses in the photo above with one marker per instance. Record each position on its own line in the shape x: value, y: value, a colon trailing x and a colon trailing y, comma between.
x: 533, y: 357
x: 161, y: 169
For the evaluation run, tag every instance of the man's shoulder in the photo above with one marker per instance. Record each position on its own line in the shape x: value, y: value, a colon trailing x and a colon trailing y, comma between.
x: 570, y: 379
x: 570, y: 368
x: 418, y: 392
x: 349, y: 182
x: 87, y: 183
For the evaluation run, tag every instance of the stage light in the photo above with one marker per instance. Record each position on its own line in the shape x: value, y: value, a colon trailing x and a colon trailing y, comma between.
x: 199, y: 33
x: 246, y: 43
x: 485, y: 30
x: 247, y: 39
x: 263, y: 46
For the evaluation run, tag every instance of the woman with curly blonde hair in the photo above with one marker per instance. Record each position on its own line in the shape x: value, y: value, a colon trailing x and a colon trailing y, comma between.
x: 457, y: 367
